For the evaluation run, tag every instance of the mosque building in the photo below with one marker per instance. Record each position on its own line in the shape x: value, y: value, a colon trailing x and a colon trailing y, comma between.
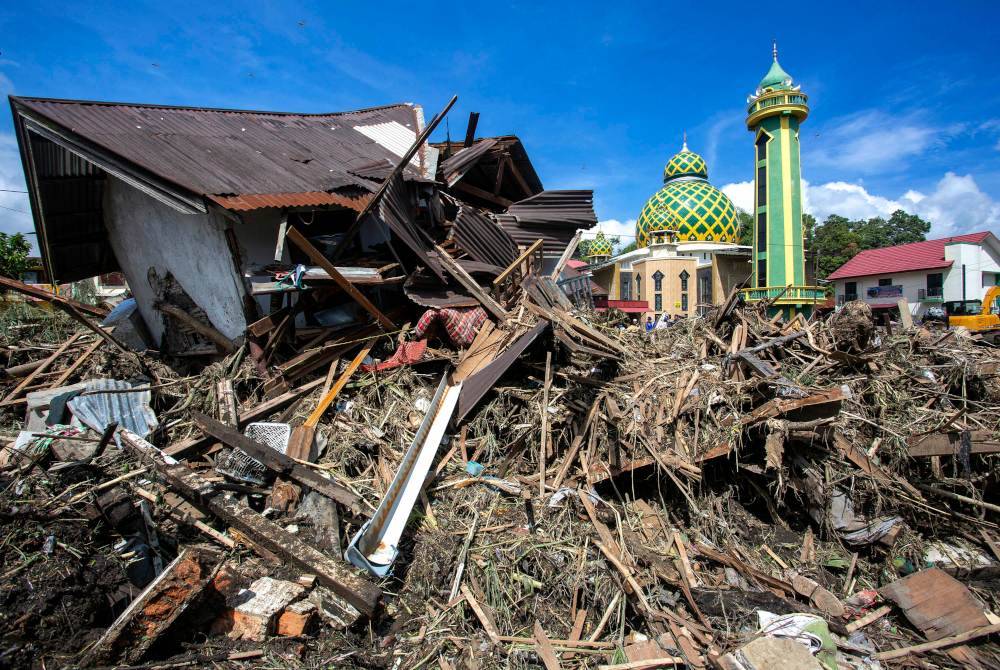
x: 687, y: 257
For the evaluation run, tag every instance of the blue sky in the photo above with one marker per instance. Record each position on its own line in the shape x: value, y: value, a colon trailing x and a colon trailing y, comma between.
x: 905, y: 96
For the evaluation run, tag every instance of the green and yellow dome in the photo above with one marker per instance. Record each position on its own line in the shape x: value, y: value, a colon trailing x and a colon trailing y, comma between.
x: 688, y: 204
x: 599, y: 247
x: 685, y: 164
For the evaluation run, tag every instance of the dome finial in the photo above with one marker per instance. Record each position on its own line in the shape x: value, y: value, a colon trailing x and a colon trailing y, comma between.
x: 774, y: 50
x: 685, y: 142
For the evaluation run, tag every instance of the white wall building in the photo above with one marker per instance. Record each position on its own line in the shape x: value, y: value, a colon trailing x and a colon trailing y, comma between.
x: 925, y: 274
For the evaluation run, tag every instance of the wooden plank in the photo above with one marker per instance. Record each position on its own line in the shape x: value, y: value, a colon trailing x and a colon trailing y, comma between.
x: 221, y: 341
x: 80, y: 360
x: 482, y: 193
x: 299, y: 240
x: 333, y: 574
x: 263, y: 326
x: 566, y: 255
x: 544, y: 648
x: 936, y: 603
x: 545, y: 424
x: 905, y: 318
x: 517, y: 262
x: 938, y: 644
x: 150, y: 614
x: 226, y: 397
x: 42, y: 294
x: 470, y: 285
x: 947, y: 444
x: 27, y: 381
x: 520, y: 179
x: 278, y: 462
x: 301, y: 442
x: 261, y: 411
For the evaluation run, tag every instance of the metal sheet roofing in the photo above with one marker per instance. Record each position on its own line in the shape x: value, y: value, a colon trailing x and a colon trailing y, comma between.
x: 553, y: 216
x: 479, y: 236
x: 236, y: 152
x: 926, y: 255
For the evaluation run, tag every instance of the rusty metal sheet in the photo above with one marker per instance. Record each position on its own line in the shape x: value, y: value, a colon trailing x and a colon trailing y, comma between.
x: 250, y: 201
x: 231, y: 152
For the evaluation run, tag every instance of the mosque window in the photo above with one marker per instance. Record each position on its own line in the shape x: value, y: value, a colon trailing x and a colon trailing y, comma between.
x: 761, y: 232
x: 761, y: 273
x: 658, y: 302
x: 658, y: 281
x: 638, y: 287
x: 626, y: 289
x: 684, y: 279
x: 762, y: 186
x: 762, y: 146
x: 684, y: 302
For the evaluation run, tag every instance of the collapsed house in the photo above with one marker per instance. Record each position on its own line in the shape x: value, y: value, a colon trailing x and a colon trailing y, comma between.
x: 509, y: 480
x: 193, y: 205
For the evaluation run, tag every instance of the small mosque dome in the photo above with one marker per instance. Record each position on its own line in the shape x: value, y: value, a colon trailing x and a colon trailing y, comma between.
x: 688, y: 204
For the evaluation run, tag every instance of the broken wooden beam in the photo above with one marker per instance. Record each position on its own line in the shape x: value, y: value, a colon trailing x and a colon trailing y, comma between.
x: 470, y: 284
x: 224, y: 344
x: 155, y: 609
x: 950, y: 444
x: 278, y: 462
x: 343, y: 580
x: 261, y: 411
x: 42, y: 294
x: 299, y: 240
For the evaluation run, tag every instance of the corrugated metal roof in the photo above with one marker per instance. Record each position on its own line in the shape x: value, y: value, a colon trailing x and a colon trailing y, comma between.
x: 248, y: 201
x: 565, y: 208
x: 553, y: 216
x: 482, y: 171
x: 482, y: 238
x: 236, y: 152
x: 454, y: 167
x: 392, y: 135
x: 926, y: 255
x: 130, y: 410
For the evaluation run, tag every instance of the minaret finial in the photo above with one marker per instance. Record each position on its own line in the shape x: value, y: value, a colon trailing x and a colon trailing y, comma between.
x: 774, y: 49
x: 685, y: 143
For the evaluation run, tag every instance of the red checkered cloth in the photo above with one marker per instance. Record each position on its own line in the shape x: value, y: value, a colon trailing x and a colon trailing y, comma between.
x: 461, y: 325
x: 407, y: 354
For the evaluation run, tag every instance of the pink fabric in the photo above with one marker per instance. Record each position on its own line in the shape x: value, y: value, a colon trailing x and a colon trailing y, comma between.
x: 460, y: 324
x: 408, y: 353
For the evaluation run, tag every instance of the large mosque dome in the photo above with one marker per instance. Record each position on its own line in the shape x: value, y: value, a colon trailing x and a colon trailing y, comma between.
x: 688, y: 204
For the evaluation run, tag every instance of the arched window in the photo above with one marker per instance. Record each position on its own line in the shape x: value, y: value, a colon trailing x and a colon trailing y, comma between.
x: 684, y: 279
x: 658, y: 281
x: 638, y: 286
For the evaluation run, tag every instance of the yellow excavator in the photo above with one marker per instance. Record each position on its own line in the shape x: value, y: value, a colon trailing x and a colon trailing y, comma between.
x: 979, y: 316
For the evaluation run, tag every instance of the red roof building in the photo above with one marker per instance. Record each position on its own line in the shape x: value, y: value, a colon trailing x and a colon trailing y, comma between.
x: 925, y: 274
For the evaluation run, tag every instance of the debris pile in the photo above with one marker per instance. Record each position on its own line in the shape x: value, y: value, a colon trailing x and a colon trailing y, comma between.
x: 526, y: 486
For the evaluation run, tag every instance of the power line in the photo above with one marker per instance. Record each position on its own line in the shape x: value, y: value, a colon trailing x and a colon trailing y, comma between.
x: 11, y: 190
x: 19, y: 211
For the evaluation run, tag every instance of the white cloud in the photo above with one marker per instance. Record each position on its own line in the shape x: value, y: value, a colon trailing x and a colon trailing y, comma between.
x: 954, y: 206
x: 624, y: 230
x: 871, y: 141
x: 741, y: 193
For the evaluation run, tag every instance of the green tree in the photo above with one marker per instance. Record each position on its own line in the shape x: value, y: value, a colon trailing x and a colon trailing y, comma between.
x: 835, y: 241
x: 14, y: 251
x: 631, y: 246
x: 744, y: 223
